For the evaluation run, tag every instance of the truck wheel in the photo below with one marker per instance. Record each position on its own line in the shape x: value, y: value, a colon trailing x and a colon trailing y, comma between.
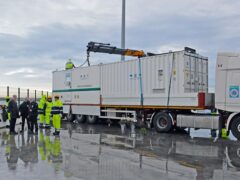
x: 162, y: 122
x: 80, y: 118
x: 70, y: 117
x: 91, y: 119
x: 235, y: 127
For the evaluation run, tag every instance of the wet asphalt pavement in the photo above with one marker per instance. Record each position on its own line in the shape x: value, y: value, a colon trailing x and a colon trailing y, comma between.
x: 97, y: 152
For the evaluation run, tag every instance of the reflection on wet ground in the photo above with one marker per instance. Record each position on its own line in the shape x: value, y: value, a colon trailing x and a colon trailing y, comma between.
x: 99, y: 152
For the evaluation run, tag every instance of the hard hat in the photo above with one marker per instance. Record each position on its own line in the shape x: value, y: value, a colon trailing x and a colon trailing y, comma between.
x: 7, y: 97
x: 49, y: 97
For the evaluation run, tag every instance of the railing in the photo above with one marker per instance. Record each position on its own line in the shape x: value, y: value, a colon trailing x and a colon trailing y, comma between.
x: 21, y: 93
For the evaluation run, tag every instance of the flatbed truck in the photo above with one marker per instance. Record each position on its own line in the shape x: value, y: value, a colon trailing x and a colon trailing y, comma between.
x: 163, y: 91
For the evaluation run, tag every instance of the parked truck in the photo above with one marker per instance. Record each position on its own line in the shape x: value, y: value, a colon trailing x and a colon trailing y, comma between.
x: 160, y: 90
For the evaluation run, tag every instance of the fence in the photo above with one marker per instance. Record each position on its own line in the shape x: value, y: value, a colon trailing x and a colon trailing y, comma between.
x: 21, y: 93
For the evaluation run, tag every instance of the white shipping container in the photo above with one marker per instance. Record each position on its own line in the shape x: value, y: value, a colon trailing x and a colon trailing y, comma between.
x: 172, y: 79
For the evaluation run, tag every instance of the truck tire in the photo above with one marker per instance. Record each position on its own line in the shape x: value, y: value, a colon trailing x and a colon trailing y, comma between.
x: 80, y: 118
x: 91, y: 119
x: 70, y: 117
x: 235, y: 127
x: 162, y: 122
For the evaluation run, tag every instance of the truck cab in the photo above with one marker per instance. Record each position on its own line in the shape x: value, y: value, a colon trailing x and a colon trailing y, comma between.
x: 227, y: 90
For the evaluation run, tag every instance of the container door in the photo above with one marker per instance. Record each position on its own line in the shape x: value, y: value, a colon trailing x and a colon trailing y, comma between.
x: 196, y: 74
x: 187, y: 74
x: 187, y: 81
x: 192, y: 78
x: 62, y: 87
x: 192, y: 74
x: 200, y: 82
x: 200, y: 75
x: 205, y: 75
x: 197, y: 67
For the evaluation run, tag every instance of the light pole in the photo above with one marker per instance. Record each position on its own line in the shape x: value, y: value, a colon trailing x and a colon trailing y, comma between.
x: 123, y: 27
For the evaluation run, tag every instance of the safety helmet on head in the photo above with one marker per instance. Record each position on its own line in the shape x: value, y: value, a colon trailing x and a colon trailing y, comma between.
x: 7, y: 97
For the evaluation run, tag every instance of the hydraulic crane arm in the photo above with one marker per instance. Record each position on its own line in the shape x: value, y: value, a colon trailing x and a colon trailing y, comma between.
x: 106, y: 48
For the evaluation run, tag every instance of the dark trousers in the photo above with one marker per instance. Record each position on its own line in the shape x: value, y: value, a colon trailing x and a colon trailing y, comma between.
x: 33, y: 123
x: 23, y: 122
x: 12, y: 124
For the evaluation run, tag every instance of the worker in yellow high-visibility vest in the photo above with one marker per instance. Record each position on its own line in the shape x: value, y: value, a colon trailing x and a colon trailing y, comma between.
x: 41, y: 111
x: 48, y: 111
x: 7, y: 103
x: 57, y: 111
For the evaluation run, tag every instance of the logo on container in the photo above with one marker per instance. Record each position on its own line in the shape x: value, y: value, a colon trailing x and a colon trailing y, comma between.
x: 234, y: 92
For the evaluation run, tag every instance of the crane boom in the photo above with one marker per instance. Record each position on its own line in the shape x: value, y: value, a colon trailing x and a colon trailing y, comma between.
x: 106, y: 48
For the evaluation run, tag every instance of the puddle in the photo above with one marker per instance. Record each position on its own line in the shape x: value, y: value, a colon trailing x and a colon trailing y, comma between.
x: 102, y: 152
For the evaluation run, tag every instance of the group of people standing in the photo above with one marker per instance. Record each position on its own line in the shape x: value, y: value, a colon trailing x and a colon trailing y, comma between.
x: 48, y: 109
x: 29, y: 111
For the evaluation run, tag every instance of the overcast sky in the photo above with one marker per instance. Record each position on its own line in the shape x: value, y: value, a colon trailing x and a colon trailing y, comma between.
x: 38, y: 36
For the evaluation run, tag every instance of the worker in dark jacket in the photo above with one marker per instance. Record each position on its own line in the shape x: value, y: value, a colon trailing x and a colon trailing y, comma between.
x: 33, y: 114
x: 14, y: 114
x: 24, y: 110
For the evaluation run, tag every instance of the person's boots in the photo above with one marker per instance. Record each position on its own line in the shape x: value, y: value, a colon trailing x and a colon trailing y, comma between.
x: 47, y: 126
x: 41, y: 126
x: 56, y: 133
